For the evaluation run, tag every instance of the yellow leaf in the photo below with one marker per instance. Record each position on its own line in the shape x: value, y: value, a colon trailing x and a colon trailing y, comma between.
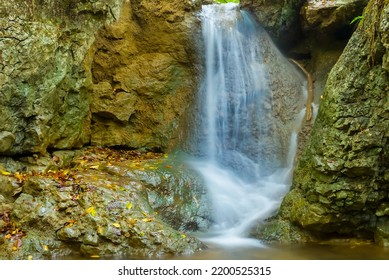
x: 183, y: 236
x: 18, y: 176
x: 6, y: 173
x: 147, y: 220
x: 142, y: 233
x: 91, y: 210
x: 95, y: 256
x: 94, y: 167
x: 99, y: 230
x: 30, y: 258
x: 165, y: 155
x: 45, y: 248
x: 129, y: 205
x: 116, y: 225
x: 70, y: 223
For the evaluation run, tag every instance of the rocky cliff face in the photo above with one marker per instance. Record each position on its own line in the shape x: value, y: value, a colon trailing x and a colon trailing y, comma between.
x: 341, y: 182
x: 144, y: 76
x: 44, y: 74
x: 63, y: 87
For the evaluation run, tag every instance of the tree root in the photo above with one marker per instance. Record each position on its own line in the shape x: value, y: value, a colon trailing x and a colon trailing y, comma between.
x: 308, y: 114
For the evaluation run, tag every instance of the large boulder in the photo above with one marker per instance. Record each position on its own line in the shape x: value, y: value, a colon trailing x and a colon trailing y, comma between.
x: 331, y: 18
x: 341, y: 182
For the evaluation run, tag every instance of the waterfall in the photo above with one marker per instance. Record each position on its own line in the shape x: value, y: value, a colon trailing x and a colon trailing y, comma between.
x: 248, y: 106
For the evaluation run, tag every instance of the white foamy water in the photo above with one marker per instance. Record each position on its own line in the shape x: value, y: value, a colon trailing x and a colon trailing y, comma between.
x: 246, y: 180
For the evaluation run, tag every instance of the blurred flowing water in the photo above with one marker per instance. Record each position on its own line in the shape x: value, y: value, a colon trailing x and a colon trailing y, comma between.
x: 239, y: 136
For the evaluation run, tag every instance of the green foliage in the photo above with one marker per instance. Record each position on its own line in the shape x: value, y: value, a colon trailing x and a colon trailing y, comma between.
x: 356, y: 19
x: 227, y: 1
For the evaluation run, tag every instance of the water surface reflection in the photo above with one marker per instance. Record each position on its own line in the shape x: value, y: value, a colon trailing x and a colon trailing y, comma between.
x: 306, y: 252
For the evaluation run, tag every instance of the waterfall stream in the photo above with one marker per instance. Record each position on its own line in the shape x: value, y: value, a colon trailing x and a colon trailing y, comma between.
x: 246, y: 135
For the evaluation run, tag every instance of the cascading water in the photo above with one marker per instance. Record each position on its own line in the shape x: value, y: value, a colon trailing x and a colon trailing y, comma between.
x: 246, y: 145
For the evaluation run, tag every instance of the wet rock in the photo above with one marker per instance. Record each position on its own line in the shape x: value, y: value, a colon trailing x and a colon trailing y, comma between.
x: 68, y: 234
x: 7, y: 139
x: 137, y: 208
x: 143, y: 74
x: 340, y: 185
x: 331, y: 18
x: 44, y: 72
x: 62, y: 87
x: 280, y: 18
x: 381, y: 233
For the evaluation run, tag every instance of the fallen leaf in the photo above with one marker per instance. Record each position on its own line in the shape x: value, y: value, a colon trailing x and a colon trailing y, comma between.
x: 94, y: 167
x: 129, y: 205
x: 70, y: 223
x: 147, y: 220
x: 19, y: 176
x: 91, y: 210
x: 5, y: 173
x: 116, y: 225
x: 99, y: 230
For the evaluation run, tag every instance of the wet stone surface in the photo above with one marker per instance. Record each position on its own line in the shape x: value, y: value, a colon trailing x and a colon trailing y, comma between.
x: 104, y: 203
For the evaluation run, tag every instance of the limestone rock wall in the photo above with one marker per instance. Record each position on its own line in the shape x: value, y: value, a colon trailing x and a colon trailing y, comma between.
x: 64, y: 83
x: 341, y: 182
x: 144, y: 75
x: 44, y: 74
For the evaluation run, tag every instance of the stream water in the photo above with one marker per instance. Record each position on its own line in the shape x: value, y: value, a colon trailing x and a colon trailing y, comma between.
x: 240, y: 159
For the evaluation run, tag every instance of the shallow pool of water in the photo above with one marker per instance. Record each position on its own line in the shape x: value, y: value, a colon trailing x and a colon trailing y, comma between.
x: 306, y: 252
